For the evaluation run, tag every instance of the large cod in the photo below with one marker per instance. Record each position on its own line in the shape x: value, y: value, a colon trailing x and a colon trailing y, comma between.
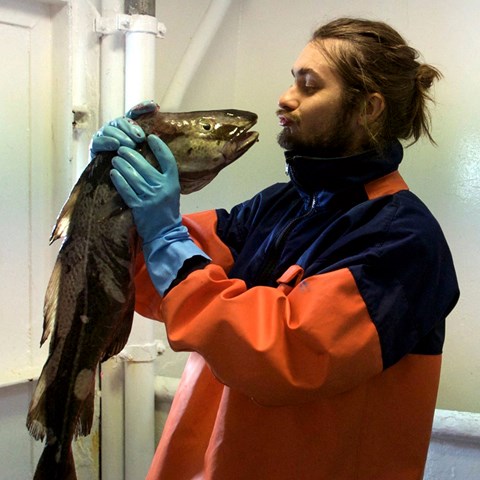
x: 89, y: 302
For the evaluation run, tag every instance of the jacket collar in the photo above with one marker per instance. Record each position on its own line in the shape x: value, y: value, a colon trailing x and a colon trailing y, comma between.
x: 312, y: 175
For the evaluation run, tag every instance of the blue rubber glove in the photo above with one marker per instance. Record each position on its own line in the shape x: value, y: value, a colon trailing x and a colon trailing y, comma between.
x: 154, y: 197
x: 123, y: 131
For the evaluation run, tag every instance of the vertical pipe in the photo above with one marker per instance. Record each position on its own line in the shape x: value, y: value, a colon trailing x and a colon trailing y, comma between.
x: 139, y: 369
x: 139, y: 57
x: 112, y: 424
x: 112, y: 66
x: 139, y: 412
x: 112, y: 94
x: 139, y: 67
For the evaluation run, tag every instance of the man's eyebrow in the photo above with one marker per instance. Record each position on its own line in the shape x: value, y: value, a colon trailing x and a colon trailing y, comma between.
x: 302, y: 72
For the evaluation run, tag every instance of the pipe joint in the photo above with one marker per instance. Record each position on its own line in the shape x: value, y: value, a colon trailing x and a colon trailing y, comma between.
x: 129, y: 24
x: 141, y: 353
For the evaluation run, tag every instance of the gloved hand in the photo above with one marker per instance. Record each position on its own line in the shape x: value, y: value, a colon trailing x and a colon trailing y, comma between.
x: 154, y: 198
x: 123, y: 131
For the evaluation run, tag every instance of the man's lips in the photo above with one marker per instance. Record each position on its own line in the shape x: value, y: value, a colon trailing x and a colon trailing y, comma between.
x: 285, y: 120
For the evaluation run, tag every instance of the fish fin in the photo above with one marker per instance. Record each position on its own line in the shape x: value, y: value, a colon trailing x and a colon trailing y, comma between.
x: 36, y: 417
x: 120, y: 340
x: 51, y: 301
x: 63, y: 220
x: 85, y: 421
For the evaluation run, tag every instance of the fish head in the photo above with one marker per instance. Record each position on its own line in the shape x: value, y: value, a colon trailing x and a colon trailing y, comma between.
x: 203, y: 142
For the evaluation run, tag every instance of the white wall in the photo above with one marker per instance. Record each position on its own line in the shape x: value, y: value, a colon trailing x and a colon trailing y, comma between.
x: 248, y: 66
x: 27, y: 192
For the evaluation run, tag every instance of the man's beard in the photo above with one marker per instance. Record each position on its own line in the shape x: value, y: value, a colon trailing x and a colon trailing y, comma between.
x: 336, y: 141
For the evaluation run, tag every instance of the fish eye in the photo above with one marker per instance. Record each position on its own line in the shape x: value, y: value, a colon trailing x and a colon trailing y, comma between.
x: 207, y: 124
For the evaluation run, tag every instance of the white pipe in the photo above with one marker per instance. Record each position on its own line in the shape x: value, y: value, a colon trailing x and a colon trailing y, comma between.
x: 139, y: 408
x: 141, y: 348
x: 112, y: 66
x: 139, y: 66
x: 165, y: 388
x: 112, y: 94
x: 112, y: 425
x: 194, y: 55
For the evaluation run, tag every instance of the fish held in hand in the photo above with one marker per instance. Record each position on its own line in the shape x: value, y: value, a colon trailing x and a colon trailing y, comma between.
x: 90, y: 298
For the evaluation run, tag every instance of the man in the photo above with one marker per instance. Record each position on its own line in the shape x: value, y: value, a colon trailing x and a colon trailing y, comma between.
x: 316, y: 310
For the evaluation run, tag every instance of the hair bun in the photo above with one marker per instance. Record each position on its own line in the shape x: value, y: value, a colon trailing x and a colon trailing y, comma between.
x: 426, y: 75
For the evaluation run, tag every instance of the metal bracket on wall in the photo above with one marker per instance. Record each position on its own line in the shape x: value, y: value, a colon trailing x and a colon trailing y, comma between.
x: 129, y: 23
x: 81, y: 116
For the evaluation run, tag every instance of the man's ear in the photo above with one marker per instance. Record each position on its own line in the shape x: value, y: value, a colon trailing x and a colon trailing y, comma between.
x: 374, y: 107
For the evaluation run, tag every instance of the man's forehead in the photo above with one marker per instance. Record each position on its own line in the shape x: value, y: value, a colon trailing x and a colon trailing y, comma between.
x: 312, y: 61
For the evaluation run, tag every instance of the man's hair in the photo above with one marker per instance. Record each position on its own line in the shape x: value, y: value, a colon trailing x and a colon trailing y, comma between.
x: 374, y: 58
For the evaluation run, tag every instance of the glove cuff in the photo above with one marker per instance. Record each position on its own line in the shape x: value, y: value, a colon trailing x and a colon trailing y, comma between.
x: 166, y: 255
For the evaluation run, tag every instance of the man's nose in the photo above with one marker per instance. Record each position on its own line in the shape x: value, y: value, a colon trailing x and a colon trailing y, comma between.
x: 288, y: 100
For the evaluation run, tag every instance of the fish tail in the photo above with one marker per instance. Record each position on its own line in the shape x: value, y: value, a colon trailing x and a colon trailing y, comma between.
x: 52, y: 467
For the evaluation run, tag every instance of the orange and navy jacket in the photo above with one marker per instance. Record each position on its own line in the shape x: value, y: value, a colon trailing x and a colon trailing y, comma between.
x: 316, y: 330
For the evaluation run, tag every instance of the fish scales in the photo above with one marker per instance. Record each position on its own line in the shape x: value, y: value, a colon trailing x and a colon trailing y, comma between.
x: 89, y: 302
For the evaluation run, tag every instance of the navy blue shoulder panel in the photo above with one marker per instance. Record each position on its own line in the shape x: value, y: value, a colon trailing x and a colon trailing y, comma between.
x: 407, y: 279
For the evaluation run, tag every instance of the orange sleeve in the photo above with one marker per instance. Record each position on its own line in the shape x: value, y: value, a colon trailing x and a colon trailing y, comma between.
x: 275, y: 347
x: 202, y: 229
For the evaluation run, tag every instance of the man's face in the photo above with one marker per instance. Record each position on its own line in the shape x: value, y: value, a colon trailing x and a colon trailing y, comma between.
x: 311, y: 111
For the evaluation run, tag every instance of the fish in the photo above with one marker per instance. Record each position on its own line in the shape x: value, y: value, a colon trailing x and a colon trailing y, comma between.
x: 90, y: 297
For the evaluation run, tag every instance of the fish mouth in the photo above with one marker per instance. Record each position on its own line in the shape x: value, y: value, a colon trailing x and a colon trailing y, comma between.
x: 241, y: 142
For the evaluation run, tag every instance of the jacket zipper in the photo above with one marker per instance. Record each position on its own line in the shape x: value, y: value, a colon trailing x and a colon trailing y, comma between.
x: 279, y: 244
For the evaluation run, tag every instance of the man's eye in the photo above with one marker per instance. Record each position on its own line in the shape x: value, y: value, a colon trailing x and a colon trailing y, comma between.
x: 310, y: 88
